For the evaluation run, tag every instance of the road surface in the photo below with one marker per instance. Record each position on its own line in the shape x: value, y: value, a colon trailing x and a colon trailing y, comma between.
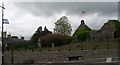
x: 68, y: 64
x: 0, y: 55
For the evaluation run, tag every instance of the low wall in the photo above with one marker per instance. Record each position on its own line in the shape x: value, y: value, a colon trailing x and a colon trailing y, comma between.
x: 56, y: 56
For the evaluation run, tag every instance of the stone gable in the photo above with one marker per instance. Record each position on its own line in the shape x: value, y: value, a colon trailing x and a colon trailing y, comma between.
x: 107, y: 31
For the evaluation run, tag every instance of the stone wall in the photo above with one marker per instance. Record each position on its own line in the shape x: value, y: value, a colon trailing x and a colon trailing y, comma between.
x: 106, y: 31
x: 56, y: 56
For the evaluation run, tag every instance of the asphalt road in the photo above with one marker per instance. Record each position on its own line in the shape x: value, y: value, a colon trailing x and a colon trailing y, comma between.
x: 0, y: 55
x: 68, y: 64
x: 86, y: 62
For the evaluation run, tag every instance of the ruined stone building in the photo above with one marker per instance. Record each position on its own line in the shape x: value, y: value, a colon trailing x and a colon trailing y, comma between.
x: 108, y: 30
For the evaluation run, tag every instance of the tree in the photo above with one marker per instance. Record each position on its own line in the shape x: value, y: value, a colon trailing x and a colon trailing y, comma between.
x: 62, y: 26
x: 57, y: 39
x: 117, y: 26
x: 39, y: 33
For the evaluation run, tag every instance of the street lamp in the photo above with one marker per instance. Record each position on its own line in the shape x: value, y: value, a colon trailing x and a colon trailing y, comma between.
x: 2, y: 29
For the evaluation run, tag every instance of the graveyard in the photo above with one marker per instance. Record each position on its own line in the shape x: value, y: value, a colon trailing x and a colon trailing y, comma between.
x: 79, y: 50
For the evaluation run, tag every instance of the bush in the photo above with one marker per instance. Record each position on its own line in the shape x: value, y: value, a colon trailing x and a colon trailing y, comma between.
x: 117, y: 26
x: 57, y: 39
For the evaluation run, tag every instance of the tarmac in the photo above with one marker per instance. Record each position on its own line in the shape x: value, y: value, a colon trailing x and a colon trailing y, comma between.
x: 0, y: 55
x: 68, y: 64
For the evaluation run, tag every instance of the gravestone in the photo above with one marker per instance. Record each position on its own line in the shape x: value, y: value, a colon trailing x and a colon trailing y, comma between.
x: 39, y: 43
x: 109, y: 59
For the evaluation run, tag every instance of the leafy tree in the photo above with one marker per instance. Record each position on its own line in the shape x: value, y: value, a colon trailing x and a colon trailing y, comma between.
x: 57, y: 39
x: 39, y: 33
x: 36, y: 35
x: 117, y: 26
x: 62, y: 26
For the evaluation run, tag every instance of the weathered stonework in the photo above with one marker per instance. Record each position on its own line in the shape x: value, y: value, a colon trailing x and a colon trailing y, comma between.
x: 107, y: 31
x: 56, y: 56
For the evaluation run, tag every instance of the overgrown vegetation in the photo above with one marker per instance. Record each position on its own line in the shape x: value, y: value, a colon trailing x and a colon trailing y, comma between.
x: 57, y: 39
x: 83, y: 36
x: 61, y: 36
x: 82, y: 32
x: 117, y: 26
x: 39, y: 33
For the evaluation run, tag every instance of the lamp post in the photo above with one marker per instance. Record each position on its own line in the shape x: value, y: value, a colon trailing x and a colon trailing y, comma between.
x: 2, y: 29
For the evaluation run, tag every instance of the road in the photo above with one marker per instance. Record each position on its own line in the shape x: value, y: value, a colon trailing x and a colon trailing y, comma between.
x: 0, y: 55
x: 68, y: 64
x: 100, y: 61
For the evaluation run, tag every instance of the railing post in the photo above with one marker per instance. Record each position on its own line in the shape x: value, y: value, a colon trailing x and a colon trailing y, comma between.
x: 107, y: 43
x: 81, y: 45
x: 12, y: 56
x: 94, y: 43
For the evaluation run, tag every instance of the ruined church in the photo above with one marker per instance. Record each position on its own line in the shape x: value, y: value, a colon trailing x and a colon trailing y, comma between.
x: 109, y: 30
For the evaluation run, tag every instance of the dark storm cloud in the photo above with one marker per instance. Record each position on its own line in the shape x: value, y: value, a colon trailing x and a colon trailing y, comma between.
x: 31, y: 15
x: 71, y: 8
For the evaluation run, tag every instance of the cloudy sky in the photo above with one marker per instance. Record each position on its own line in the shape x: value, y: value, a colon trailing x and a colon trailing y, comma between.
x: 25, y: 17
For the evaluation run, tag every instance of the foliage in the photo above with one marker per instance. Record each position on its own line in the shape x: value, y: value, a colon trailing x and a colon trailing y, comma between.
x: 57, y: 39
x: 82, y: 28
x: 82, y: 32
x: 117, y: 26
x: 35, y: 37
x: 31, y: 46
x: 82, y: 36
x: 22, y: 46
x: 62, y: 26
x: 17, y: 46
x: 39, y: 33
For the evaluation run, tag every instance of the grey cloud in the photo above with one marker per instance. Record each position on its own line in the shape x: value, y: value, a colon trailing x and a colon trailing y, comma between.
x: 21, y: 12
x: 71, y: 8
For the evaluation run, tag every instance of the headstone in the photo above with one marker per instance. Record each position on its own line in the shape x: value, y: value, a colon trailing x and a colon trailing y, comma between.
x: 67, y: 59
x: 109, y: 59
x: 39, y: 43
x: 52, y: 45
x: 6, y: 45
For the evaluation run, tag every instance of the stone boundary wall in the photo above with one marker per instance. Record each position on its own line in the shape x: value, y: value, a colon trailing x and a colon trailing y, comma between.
x: 56, y: 56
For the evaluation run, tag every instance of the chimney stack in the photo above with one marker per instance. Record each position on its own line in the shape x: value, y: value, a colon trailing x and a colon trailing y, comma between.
x: 22, y: 38
x: 9, y: 35
x: 4, y: 34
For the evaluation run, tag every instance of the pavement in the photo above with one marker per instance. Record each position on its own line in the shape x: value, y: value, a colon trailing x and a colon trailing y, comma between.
x: 0, y: 55
x: 100, y: 61
x: 67, y: 64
